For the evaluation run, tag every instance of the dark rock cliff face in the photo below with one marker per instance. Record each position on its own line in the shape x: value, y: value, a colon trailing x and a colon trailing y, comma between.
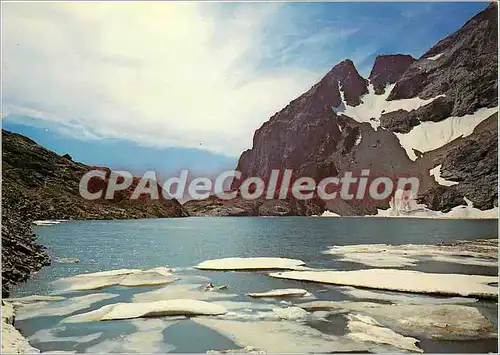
x: 38, y: 184
x: 312, y: 138
x: 387, y: 69
x: 279, y: 142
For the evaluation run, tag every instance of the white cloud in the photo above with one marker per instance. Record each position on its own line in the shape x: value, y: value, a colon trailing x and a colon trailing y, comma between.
x: 158, y: 73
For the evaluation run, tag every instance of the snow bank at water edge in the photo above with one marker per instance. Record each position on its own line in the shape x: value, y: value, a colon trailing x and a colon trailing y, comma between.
x: 149, y: 309
x: 367, y: 329
x: 482, y: 253
x: 402, y: 280
x: 291, y: 313
x: 436, y: 172
x: 446, y: 321
x: 46, y: 222
x: 430, y: 135
x: 261, y: 263
x: 12, y: 341
x: 329, y: 214
x: 373, y: 106
x: 457, y: 212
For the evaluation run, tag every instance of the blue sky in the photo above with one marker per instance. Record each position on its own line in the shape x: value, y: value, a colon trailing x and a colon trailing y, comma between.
x: 168, y: 86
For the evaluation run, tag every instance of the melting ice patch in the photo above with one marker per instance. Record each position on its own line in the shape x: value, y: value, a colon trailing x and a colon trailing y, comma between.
x: 429, y: 135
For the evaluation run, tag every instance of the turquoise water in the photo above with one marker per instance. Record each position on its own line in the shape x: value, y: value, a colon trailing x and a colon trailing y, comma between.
x: 182, y: 243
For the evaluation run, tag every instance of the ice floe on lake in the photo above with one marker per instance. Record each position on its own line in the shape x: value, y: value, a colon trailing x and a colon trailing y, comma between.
x: 120, y: 277
x: 291, y: 313
x: 149, y: 309
x: 367, y: 329
x: 47, y: 222
x: 51, y: 335
x: 482, y: 253
x: 445, y: 321
x: 281, y: 293
x: 402, y: 280
x: 401, y: 298
x: 258, y: 263
x: 280, y: 336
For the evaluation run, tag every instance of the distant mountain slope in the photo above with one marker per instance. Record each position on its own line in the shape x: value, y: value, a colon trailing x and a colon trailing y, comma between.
x: 387, y: 122
x: 38, y: 184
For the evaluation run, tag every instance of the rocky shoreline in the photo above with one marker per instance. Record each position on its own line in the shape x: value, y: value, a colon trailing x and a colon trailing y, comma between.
x: 38, y: 184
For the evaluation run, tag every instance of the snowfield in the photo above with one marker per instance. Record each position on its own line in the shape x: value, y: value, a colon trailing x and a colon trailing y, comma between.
x: 428, y: 136
x: 373, y: 106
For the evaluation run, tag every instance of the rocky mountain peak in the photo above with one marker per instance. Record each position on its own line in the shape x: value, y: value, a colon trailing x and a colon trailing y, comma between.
x: 350, y: 82
x: 387, y: 69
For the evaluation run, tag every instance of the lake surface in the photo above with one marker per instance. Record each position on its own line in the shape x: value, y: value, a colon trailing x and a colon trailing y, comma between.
x: 184, y: 242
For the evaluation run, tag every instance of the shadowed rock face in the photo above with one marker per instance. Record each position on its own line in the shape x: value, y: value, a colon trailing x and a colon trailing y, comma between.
x: 38, y: 184
x: 463, y: 66
x: 387, y: 69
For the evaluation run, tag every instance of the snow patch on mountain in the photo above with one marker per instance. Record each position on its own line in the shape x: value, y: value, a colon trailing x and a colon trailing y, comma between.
x: 435, y: 57
x: 373, y: 106
x: 358, y: 140
x: 428, y: 136
x: 436, y: 172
